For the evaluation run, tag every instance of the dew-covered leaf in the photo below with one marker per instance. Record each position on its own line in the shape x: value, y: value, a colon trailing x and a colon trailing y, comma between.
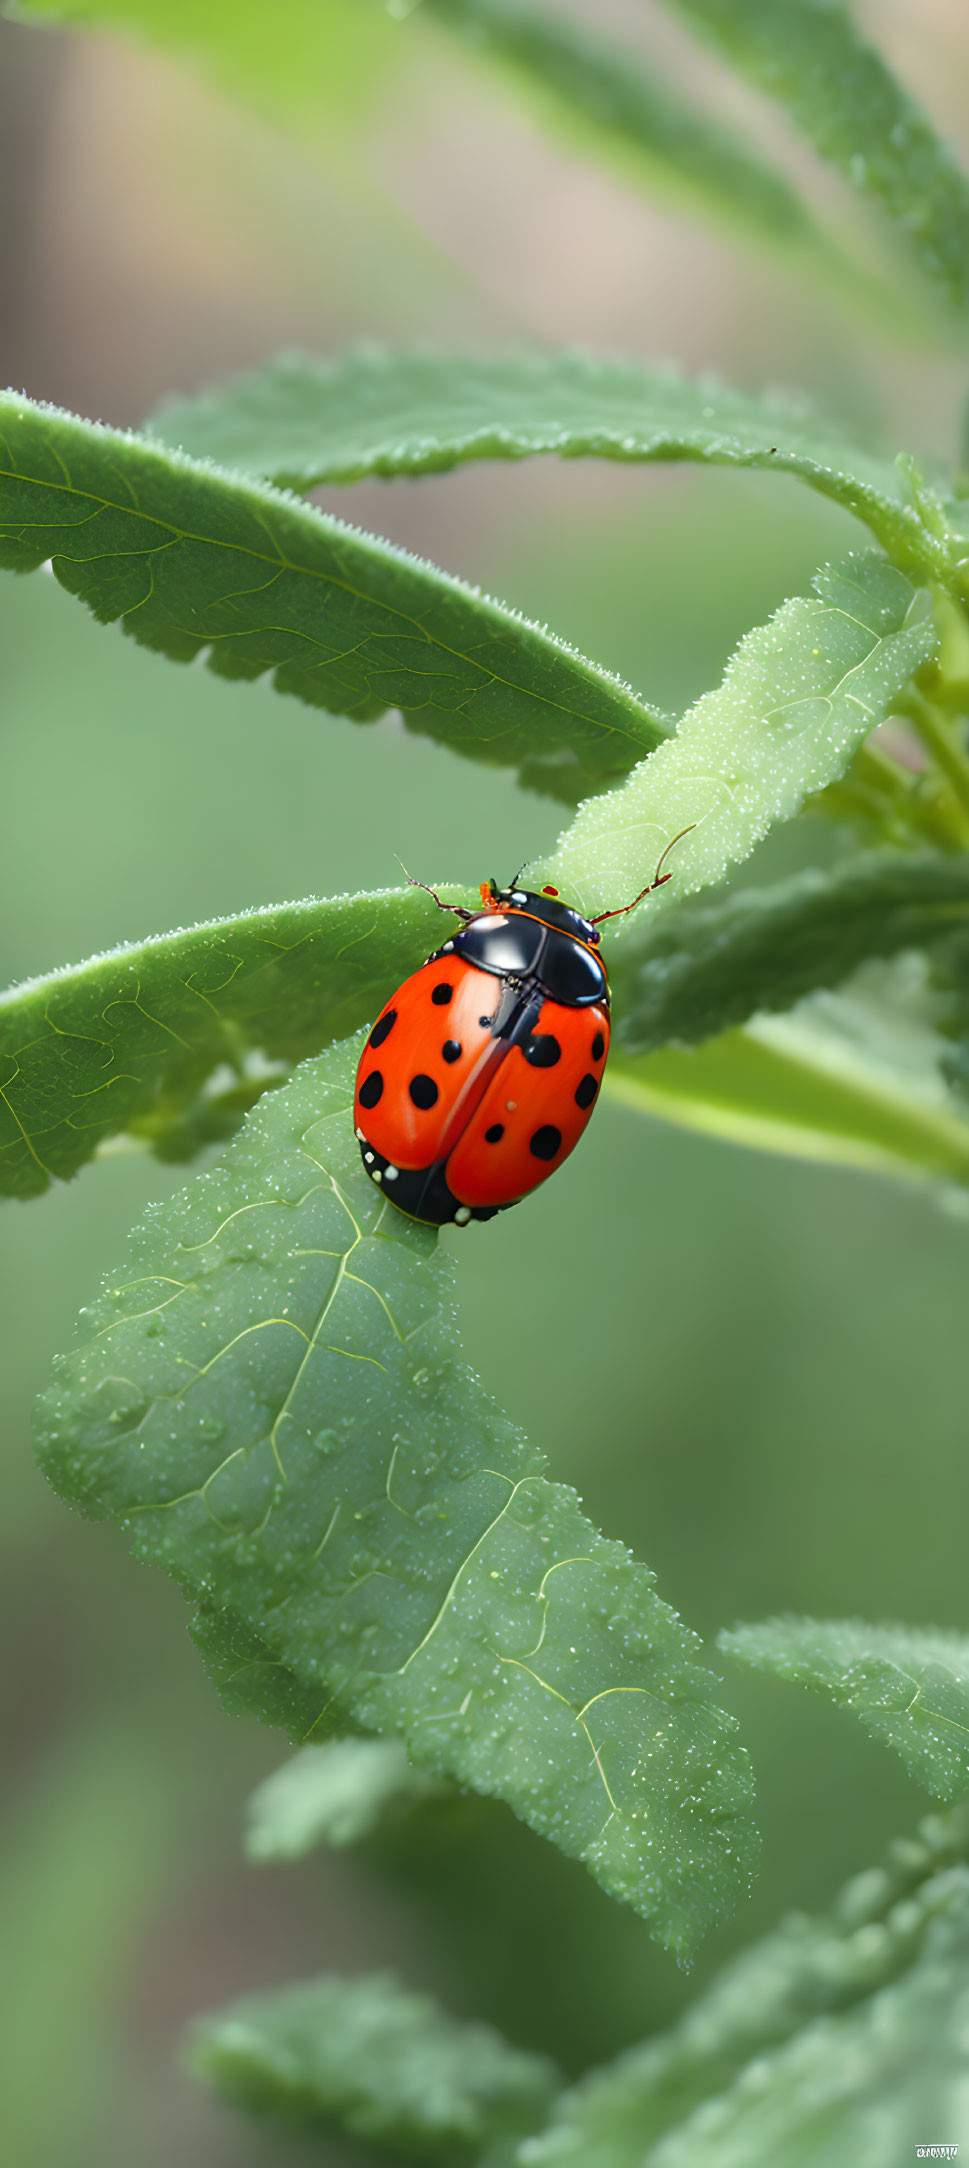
x: 266, y: 1396
x: 865, y: 2089
x: 334, y: 1794
x: 808, y: 1968
x: 712, y: 964
x: 171, y: 1039
x: 799, y: 695
x: 908, y: 1685
x: 196, y: 562
x: 300, y: 421
x: 372, y: 2058
x: 811, y: 56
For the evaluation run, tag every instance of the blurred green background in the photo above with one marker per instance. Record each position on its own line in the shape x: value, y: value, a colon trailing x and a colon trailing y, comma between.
x: 768, y: 1401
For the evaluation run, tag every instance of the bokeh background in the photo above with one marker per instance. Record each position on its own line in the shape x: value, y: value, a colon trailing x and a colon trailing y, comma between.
x: 767, y: 1396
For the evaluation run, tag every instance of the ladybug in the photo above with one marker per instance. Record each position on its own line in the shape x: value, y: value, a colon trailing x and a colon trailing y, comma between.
x: 481, y: 1072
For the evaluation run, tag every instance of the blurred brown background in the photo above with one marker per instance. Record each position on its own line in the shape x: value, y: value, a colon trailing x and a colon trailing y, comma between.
x: 775, y: 1414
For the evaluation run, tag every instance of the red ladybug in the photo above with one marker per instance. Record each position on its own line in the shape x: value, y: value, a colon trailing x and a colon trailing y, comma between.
x: 480, y: 1075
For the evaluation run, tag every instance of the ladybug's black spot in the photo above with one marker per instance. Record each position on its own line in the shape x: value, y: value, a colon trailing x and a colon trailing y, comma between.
x: 371, y: 1089
x: 383, y: 1029
x: 546, y: 1141
x: 442, y: 993
x: 542, y: 1050
x: 423, y: 1091
x: 451, y: 1050
x: 495, y: 1133
x: 586, y: 1091
x: 598, y: 1047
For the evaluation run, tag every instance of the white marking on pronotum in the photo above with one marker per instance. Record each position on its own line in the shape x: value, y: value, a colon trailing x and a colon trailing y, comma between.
x: 376, y: 1175
x: 390, y: 1174
x: 368, y: 1156
x: 361, y: 1138
x: 462, y: 1215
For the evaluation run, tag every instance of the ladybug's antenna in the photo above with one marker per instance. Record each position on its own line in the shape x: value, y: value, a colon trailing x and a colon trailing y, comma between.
x: 458, y: 908
x: 657, y: 881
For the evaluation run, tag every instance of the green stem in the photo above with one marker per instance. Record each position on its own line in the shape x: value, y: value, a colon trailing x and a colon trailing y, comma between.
x: 939, y: 738
x: 878, y: 793
x: 931, y: 812
x: 778, y: 1086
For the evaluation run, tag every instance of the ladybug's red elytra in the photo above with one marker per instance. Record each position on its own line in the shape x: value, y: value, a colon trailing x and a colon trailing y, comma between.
x: 481, y: 1072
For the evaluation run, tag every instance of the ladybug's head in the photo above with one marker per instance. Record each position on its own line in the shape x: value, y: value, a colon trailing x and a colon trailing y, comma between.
x: 546, y: 906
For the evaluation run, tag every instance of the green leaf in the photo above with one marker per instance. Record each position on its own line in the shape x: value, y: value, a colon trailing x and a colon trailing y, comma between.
x: 908, y: 1684
x: 299, y: 422
x: 606, y: 102
x: 304, y: 59
x: 265, y: 1395
x: 866, y: 2089
x: 172, y: 1039
x: 712, y: 964
x: 385, y: 2065
x: 197, y: 562
x: 313, y: 60
x: 746, y: 1088
x: 325, y: 72
x: 296, y: 59
x: 809, y: 55
x: 799, y: 695
x: 334, y: 1794
x: 808, y: 1968
x: 853, y: 1078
